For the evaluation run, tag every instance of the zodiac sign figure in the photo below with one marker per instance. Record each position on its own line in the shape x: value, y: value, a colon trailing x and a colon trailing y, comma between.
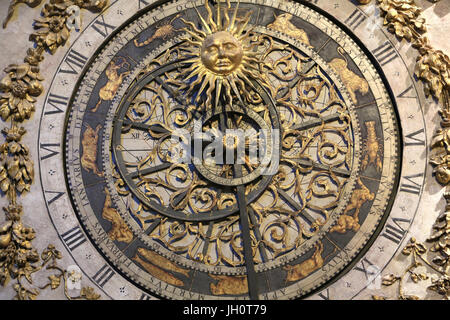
x: 351, y: 81
x: 372, y: 148
x: 283, y: 24
x: 229, y: 285
x: 307, y: 267
x: 119, y: 230
x: 163, y: 32
x: 160, y: 267
x: 89, y: 153
x: 108, y: 92
x: 359, y: 197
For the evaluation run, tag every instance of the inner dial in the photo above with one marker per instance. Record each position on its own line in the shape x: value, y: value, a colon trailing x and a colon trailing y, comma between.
x: 186, y: 163
x: 190, y: 180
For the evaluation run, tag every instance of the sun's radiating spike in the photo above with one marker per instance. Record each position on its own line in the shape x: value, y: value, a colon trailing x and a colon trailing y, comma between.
x: 219, y: 18
x: 227, y: 16
x: 210, y: 17
x: 209, y: 92
x: 233, y: 20
x: 195, y: 35
x: 243, y: 76
x: 202, y: 88
x: 232, y: 83
x: 194, y: 28
x: 246, y: 21
x: 202, y: 20
x: 196, y: 82
x: 193, y: 74
x: 228, y: 96
x: 193, y: 60
x: 218, y: 89
x: 195, y: 43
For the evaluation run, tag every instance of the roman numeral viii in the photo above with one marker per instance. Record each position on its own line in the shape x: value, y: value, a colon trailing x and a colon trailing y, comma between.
x: 75, y: 62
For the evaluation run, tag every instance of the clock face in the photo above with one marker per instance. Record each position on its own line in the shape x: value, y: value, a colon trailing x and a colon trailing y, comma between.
x: 227, y: 150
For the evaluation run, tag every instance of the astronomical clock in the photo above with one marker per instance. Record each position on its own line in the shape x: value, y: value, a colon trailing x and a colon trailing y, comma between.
x: 222, y: 149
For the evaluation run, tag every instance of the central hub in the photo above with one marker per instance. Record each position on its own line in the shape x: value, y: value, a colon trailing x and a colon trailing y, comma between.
x: 230, y: 141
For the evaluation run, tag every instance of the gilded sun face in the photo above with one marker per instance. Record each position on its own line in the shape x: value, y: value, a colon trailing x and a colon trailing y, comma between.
x: 220, y: 58
x: 221, y: 53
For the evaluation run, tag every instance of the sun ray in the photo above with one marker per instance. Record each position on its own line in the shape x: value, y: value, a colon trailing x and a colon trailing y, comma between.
x: 219, y: 18
x: 218, y: 89
x: 210, y: 17
x: 194, y: 28
x: 233, y: 20
x: 205, y: 24
x: 244, y: 25
x: 227, y: 16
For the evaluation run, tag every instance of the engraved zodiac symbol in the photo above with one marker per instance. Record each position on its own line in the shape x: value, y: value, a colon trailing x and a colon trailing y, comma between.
x: 158, y: 266
x: 359, y: 197
x: 229, y: 285
x: 351, y: 81
x: 283, y: 24
x: 372, y: 148
x: 108, y: 92
x: 119, y: 230
x: 89, y: 153
x: 307, y: 267
x: 163, y: 32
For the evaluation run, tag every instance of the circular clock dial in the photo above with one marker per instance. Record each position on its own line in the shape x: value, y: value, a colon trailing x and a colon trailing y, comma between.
x: 232, y: 150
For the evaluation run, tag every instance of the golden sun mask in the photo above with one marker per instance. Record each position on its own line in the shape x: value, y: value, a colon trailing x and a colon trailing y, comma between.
x: 221, y: 53
x: 220, y: 56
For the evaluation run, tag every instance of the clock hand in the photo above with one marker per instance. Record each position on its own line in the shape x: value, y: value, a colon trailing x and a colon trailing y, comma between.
x: 319, y: 166
x: 252, y: 280
x: 254, y: 222
x: 294, y: 204
x: 316, y: 122
x: 145, y: 127
x: 146, y: 171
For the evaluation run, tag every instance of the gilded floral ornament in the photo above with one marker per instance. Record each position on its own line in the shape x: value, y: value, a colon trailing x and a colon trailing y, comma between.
x: 19, y: 86
x: 433, y: 68
x: 440, y: 146
x: 16, y: 252
x: 18, y: 89
x: 441, y: 286
x: 51, y: 30
x: 17, y: 168
x: 402, y: 17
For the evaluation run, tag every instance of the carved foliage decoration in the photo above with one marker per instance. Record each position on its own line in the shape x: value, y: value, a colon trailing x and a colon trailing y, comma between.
x: 402, y: 17
x: 18, y: 90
